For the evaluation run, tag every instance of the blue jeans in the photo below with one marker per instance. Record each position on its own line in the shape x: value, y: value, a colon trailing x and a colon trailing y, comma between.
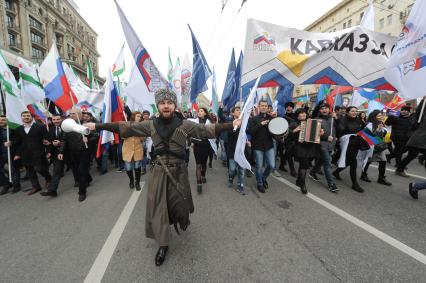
x: 232, y: 171
x: 222, y: 150
x: 268, y: 157
x: 325, y: 160
x: 132, y: 165
x: 419, y: 186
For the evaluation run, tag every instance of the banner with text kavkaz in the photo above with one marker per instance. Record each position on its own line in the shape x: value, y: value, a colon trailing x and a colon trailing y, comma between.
x: 284, y: 56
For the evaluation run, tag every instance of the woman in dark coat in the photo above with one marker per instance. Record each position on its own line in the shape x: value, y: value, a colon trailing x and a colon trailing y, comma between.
x: 304, y: 152
x: 202, y: 149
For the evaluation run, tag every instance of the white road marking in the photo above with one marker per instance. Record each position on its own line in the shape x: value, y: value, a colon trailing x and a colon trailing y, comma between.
x: 393, y: 170
x: 100, y: 265
x: 370, y: 229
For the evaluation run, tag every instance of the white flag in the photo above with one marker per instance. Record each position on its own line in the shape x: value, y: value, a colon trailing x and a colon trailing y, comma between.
x: 406, y: 69
x: 137, y: 91
x: 358, y: 99
x: 31, y: 88
x: 239, y: 155
x: 154, y: 80
x: 177, y: 77
x: 367, y: 20
x: 118, y: 67
x: 14, y: 103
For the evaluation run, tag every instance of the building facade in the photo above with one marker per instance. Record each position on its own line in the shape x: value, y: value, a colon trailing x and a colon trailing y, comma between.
x: 30, y: 27
x: 390, y: 16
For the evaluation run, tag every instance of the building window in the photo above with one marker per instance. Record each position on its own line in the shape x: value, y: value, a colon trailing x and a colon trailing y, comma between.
x: 349, y: 23
x: 382, y: 23
x: 9, y: 5
x: 12, y: 39
x: 344, y: 25
x: 35, y: 38
x: 390, y: 20
x: 36, y: 24
x: 37, y: 53
x: 10, y: 20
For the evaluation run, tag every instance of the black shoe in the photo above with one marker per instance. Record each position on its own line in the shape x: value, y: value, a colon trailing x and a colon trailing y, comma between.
x: 261, y: 189
x: 4, y: 191
x: 14, y: 191
x: 333, y: 188
x: 160, y: 257
x: 302, y: 186
x: 413, y: 193
x: 337, y: 175
x: 204, y: 180
x: 103, y: 172
x: 313, y: 176
x: 138, y: 186
x: 357, y: 188
x: 282, y: 168
x: 293, y: 173
x: 199, y: 188
x: 49, y: 194
x: 131, y: 184
x: 265, y: 184
x: 383, y: 181
x: 81, y: 197
x: 365, y: 178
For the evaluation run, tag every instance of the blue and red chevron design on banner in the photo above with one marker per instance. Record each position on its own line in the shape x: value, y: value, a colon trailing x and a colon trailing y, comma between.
x: 141, y: 59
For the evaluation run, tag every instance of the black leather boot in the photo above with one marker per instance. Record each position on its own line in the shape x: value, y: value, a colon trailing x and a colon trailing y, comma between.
x: 301, y: 177
x: 131, y: 179
x: 364, y: 177
x: 160, y: 257
x: 138, y: 173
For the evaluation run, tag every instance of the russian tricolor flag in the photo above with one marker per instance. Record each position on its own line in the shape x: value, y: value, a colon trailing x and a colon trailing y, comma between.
x: 55, y: 82
x: 112, y: 111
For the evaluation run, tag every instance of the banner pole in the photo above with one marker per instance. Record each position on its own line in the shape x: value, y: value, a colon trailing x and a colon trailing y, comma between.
x: 7, y: 136
x: 422, y: 111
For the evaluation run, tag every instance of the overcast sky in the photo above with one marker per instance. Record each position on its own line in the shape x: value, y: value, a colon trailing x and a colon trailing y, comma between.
x: 163, y: 23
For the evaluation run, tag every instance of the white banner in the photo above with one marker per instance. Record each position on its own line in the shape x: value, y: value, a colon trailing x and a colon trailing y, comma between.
x: 352, y: 57
x: 406, y: 68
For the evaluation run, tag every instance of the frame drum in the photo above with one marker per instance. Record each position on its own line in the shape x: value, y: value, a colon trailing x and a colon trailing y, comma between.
x: 278, y: 127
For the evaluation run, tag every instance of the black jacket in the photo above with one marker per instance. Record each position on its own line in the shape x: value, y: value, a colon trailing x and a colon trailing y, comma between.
x: 30, y: 146
x: 74, y: 142
x: 402, y: 127
x: 261, y: 138
x: 348, y: 125
x: 55, y: 134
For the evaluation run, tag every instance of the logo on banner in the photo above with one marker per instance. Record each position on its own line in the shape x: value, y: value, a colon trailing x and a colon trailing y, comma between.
x: 405, y: 31
x: 264, y: 42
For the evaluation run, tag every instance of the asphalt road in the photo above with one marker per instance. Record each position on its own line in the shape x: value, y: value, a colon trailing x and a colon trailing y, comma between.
x: 280, y: 236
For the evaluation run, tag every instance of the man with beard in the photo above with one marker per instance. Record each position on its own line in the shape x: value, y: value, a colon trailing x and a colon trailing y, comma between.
x: 169, y: 199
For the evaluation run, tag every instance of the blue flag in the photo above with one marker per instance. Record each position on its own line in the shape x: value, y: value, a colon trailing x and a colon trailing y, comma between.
x: 338, y: 101
x: 201, y: 71
x: 284, y: 95
x: 230, y: 82
x: 323, y: 91
x: 235, y: 96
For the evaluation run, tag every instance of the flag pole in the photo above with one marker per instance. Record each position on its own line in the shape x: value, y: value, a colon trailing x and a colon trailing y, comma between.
x: 422, y: 111
x: 7, y: 138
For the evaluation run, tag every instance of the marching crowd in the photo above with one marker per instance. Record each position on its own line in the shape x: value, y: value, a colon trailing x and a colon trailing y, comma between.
x: 345, y: 140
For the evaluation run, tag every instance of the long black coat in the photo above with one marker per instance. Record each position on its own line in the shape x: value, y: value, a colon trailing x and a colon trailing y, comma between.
x: 30, y: 146
x: 418, y: 139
